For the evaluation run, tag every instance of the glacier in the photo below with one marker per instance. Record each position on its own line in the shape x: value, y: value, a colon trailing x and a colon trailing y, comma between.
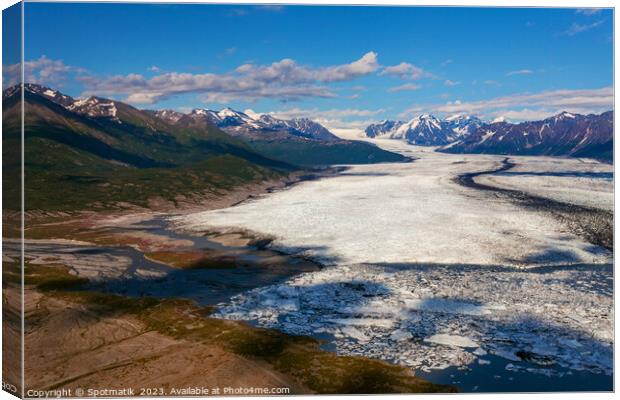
x: 423, y: 272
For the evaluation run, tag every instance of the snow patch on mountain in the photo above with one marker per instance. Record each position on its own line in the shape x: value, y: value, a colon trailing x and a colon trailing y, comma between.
x: 95, y: 107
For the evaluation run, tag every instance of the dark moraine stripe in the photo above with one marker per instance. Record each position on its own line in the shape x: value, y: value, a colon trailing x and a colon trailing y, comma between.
x: 592, y: 224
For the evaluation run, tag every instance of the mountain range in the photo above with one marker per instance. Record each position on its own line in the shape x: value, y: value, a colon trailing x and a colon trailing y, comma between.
x: 237, y: 123
x: 564, y: 134
x: 97, y: 153
x: 425, y: 130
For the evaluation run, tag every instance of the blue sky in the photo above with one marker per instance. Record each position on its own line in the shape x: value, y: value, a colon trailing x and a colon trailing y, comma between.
x: 344, y: 66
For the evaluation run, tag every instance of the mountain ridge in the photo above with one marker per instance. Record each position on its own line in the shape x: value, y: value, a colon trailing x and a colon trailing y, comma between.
x: 238, y: 123
x: 97, y: 153
x: 425, y: 129
x: 563, y: 134
x: 110, y: 157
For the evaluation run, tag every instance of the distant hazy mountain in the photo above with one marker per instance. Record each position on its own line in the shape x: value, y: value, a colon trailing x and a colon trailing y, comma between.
x: 564, y: 134
x: 304, y: 126
x: 462, y: 125
x: 425, y: 130
x: 383, y: 128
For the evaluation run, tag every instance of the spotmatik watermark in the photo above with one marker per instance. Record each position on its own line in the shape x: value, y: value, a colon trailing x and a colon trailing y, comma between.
x: 158, y: 391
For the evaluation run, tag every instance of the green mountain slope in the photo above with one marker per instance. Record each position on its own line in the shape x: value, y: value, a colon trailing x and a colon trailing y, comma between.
x: 314, y: 153
x: 77, y: 162
x: 96, y: 153
x: 278, y: 140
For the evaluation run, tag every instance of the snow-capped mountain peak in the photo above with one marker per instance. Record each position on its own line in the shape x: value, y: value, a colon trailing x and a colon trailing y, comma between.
x: 426, y: 129
x: 564, y: 115
x: 455, y: 117
x: 462, y: 125
x: 229, y: 112
x: 199, y: 111
x: 239, y: 123
x: 383, y: 128
x: 169, y: 115
x: 95, y: 107
x: 46, y: 92
x: 268, y: 119
x: 225, y: 117
x: 562, y: 134
x: 499, y: 119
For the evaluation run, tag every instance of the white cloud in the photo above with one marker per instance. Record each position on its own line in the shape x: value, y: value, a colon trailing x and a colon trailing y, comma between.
x: 11, y: 75
x: 526, y: 106
x: 520, y: 72
x: 288, y: 71
x: 315, y: 113
x: 589, y: 11
x: 449, y: 82
x: 491, y: 82
x: 405, y: 87
x: 525, y: 114
x: 284, y: 80
x: 271, y: 7
x: 244, y: 68
x: 154, y: 68
x: 43, y: 70
x: 238, y: 12
x: 405, y: 71
x: 284, y: 94
x: 576, y: 28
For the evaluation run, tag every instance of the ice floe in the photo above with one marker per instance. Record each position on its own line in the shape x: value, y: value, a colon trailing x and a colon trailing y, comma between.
x: 433, y: 317
x: 451, y: 340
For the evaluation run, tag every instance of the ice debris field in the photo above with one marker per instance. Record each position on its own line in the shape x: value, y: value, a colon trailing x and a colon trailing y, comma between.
x: 426, y: 273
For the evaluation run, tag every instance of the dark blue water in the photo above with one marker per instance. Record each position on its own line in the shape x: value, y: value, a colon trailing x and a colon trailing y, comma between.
x: 494, y: 377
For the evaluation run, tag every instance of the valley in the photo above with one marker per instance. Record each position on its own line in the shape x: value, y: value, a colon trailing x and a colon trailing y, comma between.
x: 273, y: 245
x: 427, y: 273
x: 205, y: 200
x: 510, y: 290
x: 125, y: 296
